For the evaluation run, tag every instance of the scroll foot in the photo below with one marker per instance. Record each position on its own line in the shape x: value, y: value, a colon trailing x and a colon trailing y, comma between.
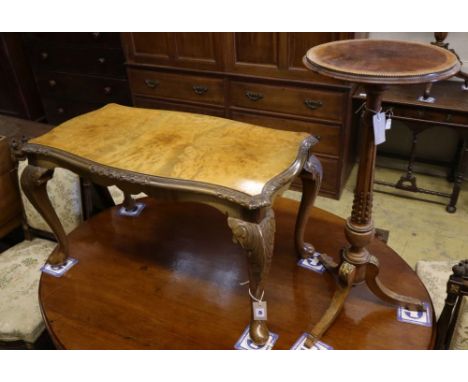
x: 385, y: 294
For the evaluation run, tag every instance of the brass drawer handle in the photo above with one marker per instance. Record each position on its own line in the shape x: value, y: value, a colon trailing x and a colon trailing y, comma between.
x: 151, y: 83
x: 107, y: 90
x: 448, y: 118
x: 101, y: 60
x: 52, y: 83
x: 60, y: 110
x: 253, y: 96
x: 311, y: 104
x: 44, y: 56
x: 199, y: 89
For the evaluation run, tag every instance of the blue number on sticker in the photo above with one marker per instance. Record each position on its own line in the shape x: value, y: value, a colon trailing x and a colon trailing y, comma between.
x: 252, y: 345
x: 414, y: 315
x: 312, y: 261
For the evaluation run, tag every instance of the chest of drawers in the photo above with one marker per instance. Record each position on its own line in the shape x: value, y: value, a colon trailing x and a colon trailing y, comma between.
x: 77, y: 72
x: 10, y: 207
x: 250, y: 77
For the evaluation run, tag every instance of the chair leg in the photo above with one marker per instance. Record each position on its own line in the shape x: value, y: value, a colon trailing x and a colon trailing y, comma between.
x: 444, y: 321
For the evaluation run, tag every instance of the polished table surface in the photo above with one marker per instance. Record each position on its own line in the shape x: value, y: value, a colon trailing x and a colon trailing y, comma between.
x: 166, y: 281
x: 382, y: 61
x: 178, y: 145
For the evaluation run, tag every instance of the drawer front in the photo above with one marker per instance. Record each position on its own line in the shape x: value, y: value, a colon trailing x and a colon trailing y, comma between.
x: 107, y: 39
x: 329, y: 134
x: 149, y: 103
x: 431, y: 115
x: 322, y: 104
x: 96, y: 61
x: 83, y: 88
x: 177, y: 86
x: 59, y: 110
x: 331, y: 175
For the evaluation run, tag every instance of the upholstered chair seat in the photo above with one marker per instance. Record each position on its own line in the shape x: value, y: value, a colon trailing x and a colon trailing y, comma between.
x: 20, y: 316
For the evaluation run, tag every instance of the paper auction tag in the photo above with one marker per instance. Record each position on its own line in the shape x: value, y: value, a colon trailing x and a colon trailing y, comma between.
x: 260, y: 310
x: 378, y: 121
x: 388, y: 124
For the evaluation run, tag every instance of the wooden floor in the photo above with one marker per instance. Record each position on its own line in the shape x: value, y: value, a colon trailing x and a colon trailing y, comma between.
x: 170, y: 279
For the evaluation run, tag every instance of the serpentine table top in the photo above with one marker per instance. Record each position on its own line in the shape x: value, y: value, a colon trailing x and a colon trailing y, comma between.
x: 177, y: 145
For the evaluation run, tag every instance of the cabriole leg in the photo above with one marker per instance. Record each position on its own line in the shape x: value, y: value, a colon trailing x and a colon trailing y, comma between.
x: 311, y: 177
x: 34, y: 184
x: 258, y: 241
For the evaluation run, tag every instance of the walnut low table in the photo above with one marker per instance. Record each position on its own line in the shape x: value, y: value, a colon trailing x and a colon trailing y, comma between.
x: 151, y: 283
x: 234, y: 167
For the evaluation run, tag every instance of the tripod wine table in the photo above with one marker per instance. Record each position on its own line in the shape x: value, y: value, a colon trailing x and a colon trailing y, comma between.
x: 234, y: 167
x: 375, y: 64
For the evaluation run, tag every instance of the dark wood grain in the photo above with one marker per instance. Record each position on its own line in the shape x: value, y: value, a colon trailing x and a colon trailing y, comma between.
x: 170, y: 279
x: 18, y: 93
x: 12, y: 127
x: 163, y: 85
x: 324, y: 105
x: 382, y: 61
x: 77, y: 72
x: 10, y: 205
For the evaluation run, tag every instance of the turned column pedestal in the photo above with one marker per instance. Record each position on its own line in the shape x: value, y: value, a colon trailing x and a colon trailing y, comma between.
x: 376, y: 64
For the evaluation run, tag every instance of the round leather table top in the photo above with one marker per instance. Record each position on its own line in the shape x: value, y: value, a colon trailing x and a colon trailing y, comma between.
x: 173, y: 279
x: 382, y: 61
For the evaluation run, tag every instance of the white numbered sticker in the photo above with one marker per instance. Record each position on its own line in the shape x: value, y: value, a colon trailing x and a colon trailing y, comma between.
x: 299, y: 345
x: 260, y: 310
x: 246, y: 343
x: 423, y: 318
x: 312, y: 263
x: 59, y: 270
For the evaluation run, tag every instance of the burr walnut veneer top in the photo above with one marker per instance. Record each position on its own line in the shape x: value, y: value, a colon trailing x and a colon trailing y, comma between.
x: 187, y: 146
x: 382, y: 61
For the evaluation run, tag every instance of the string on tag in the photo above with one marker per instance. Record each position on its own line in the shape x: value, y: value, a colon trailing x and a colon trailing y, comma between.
x: 373, y: 111
x: 255, y: 298
x: 363, y: 107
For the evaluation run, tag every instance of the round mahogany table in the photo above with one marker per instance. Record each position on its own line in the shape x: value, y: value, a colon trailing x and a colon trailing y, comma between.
x: 171, y: 279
